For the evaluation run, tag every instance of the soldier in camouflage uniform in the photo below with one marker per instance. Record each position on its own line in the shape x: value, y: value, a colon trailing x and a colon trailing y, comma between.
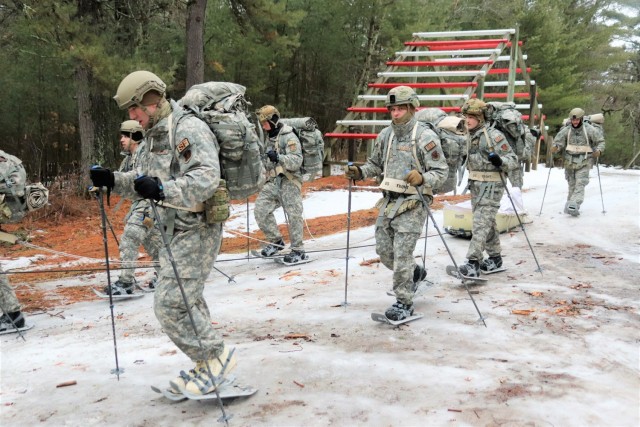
x: 409, y: 157
x: 138, y: 229
x: 579, y: 144
x: 12, y: 183
x: 180, y: 173
x: 283, y: 187
x: 488, y: 156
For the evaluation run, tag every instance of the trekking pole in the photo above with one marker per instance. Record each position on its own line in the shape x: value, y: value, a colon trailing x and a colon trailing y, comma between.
x: 346, y: 271
x: 229, y: 278
x: 435, y: 225
x: 103, y: 215
x: 600, y: 183
x: 12, y: 322
x: 521, y: 224
x: 167, y: 246
x: 424, y: 252
x: 545, y: 190
x: 248, y: 241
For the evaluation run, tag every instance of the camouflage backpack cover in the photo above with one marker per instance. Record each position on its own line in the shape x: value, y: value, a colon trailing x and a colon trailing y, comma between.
x: 17, y: 198
x: 222, y: 106
x: 507, y: 119
x: 453, y: 139
x: 306, y: 129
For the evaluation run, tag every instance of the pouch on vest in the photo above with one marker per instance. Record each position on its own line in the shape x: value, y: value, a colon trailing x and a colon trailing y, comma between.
x: 216, y: 208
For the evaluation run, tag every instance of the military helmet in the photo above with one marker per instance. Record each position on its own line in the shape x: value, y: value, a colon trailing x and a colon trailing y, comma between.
x: 576, y: 113
x: 474, y: 107
x: 267, y: 112
x: 131, y: 126
x: 133, y: 88
x: 401, y: 95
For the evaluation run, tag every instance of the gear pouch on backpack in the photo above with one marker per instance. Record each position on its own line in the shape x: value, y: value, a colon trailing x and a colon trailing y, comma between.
x: 217, y: 207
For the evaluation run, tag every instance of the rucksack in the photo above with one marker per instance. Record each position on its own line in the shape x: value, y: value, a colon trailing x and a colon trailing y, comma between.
x: 222, y: 106
x: 450, y: 129
x: 508, y: 120
x: 17, y: 198
x: 306, y: 129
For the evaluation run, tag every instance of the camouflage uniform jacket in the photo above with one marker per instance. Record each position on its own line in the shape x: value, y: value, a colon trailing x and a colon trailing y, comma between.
x: 401, y: 160
x: 189, y: 168
x: 479, y: 148
x: 289, y: 150
x: 585, y: 135
x: 13, y: 179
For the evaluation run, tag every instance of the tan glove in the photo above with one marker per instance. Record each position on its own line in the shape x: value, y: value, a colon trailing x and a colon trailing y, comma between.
x: 596, y: 154
x: 352, y: 172
x: 555, y: 149
x: 414, y: 178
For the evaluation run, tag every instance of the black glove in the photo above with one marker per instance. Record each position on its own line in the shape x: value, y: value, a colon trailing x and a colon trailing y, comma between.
x: 535, y: 132
x: 101, y: 177
x: 495, y: 159
x: 149, y: 187
x: 273, y: 156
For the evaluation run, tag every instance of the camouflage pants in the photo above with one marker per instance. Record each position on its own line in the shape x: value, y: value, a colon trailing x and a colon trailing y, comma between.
x: 280, y: 192
x: 485, y: 202
x: 577, y: 180
x: 395, y: 242
x: 8, y: 300
x: 135, y: 234
x: 194, y: 252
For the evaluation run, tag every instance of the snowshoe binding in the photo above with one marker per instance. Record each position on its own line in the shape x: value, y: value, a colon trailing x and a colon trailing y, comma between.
x: 493, y: 264
x: 208, y: 378
x: 119, y: 288
x: 10, y: 321
x: 272, y: 249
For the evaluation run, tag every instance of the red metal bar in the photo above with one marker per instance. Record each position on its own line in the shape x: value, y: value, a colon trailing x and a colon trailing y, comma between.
x: 506, y: 70
x: 351, y: 135
x: 468, y: 46
x: 455, y: 42
x: 497, y: 95
x: 450, y: 63
x: 424, y: 85
x: 460, y: 44
x: 526, y: 117
x: 384, y: 109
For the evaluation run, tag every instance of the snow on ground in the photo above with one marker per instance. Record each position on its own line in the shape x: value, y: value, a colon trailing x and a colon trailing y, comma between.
x: 570, y: 358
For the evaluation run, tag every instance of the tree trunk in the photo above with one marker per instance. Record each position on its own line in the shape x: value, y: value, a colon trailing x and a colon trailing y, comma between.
x: 195, y: 44
x: 86, y: 128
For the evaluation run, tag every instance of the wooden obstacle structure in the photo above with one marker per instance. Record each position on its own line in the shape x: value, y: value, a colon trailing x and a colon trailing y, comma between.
x: 446, y: 69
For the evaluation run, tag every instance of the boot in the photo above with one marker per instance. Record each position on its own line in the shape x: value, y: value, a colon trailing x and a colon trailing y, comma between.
x: 119, y: 288
x: 419, y: 274
x: 470, y: 269
x: 491, y: 263
x: 573, y: 209
x: 220, y: 367
x: 6, y: 324
x: 294, y: 256
x: 153, y: 282
x: 272, y: 248
x: 399, y: 311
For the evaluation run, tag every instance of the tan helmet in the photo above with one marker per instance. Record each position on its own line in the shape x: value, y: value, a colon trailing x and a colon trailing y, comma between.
x: 133, y: 88
x: 131, y: 126
x: 267, y: 112
x: 576, y: 113
x: 401, y: 95
x: 475, y: 107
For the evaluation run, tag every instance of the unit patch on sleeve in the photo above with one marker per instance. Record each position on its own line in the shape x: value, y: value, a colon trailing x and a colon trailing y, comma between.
x: 435, y: 155
x: 183, y: 145
x: 292, y: 146
x: 504, y: 147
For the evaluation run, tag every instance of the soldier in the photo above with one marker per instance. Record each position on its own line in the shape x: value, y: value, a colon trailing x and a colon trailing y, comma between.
x: 12, y: 185
x: 409, y: 157
x: 180, y: 172
x: 138, y: 229
x: 283, y: 187
x: 579, y: 144
x: 488, y: 156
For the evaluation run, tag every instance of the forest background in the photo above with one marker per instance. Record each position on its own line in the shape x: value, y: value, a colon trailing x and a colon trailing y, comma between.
x: 62, y: 60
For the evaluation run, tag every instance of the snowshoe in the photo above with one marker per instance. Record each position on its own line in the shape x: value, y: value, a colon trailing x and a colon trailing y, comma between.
x: 399, y: 311
x: 272, y: 248
x: 470, y: 269
x: 491, y: 264
x: 220, y: 367
x: 119, y: 288
x: 294, y: 257
x: 8, y: 320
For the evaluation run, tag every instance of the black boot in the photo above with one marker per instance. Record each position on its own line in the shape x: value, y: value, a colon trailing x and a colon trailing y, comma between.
x: 272, y: 248
x: 470, y: 269
x: 491, y: 263
x: 294, y: 256
x: 399, y: 311
x: 9, y: 319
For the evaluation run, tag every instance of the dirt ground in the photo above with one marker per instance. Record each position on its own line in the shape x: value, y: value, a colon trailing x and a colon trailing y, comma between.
x: 559, y: 348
